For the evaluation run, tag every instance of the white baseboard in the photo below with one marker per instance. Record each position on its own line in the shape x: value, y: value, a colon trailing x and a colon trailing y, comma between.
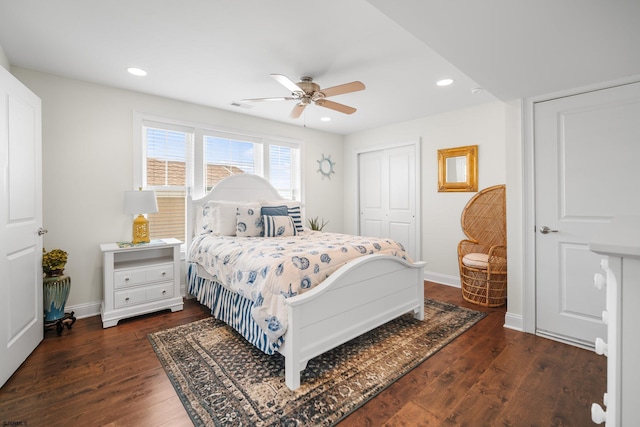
x: 88, y: 309
x: 443, y: 279
x: 513, y: 321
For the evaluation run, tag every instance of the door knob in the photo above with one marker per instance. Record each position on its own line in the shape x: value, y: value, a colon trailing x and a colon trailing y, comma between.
x: 545, y: 230
x: 42, y: 231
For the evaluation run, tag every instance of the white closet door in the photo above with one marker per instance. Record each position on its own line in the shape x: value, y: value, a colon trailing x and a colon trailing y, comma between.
x: 387, y: 196
x: 21, y: 311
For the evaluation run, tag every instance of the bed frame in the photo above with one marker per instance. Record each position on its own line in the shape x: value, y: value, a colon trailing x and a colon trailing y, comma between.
x: 358, y: 297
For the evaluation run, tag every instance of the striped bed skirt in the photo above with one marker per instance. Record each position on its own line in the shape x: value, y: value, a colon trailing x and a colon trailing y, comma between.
x: 231, y: 308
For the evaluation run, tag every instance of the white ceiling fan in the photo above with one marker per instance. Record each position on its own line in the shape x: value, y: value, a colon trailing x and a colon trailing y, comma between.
x: 306, y: 91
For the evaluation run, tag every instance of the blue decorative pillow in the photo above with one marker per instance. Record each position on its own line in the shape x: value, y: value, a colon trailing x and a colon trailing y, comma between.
x: 249, y: 220
x: 278, y: 226
x: 275, y: 210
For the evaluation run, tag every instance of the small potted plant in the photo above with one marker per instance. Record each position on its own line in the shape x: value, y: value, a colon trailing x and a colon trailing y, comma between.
x: 316, y: 224
x: 53, y: 262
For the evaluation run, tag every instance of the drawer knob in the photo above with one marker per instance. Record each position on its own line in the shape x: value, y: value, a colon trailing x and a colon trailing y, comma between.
x: 598, y: 415
x: 126, y: 299
x: 164, y: 292
x: 599, y: 281
x: 126, y: 279
x: 601, y: 347
x: 605, y: 317
x: 164, y: 273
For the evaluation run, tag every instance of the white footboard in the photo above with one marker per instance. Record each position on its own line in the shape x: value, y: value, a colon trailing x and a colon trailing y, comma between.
x: 358, y: 297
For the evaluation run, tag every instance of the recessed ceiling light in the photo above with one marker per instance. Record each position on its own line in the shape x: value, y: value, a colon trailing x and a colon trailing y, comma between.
x: 444, y: 82
x: 325, y: 119
x: 137, y: 71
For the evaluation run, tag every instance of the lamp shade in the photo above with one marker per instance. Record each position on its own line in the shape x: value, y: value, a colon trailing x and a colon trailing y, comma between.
x: 140, y: 202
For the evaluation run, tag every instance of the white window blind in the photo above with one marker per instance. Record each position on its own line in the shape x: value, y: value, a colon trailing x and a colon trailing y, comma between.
x: 284, y: 170
x: 168, y: 167
x: 177, y: 158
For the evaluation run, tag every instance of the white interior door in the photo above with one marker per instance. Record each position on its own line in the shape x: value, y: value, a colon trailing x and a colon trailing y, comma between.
x: 586, y: 150
x: 21, y: 311
x: 387, y: 196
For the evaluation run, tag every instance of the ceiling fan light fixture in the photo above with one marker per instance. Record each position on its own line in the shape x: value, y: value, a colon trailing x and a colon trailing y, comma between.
x: 444, y: 82
x: 325, y: 119
x: 307, y: 92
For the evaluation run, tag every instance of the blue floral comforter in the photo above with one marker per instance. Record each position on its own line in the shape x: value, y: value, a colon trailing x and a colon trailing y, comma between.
x: 267, y: 270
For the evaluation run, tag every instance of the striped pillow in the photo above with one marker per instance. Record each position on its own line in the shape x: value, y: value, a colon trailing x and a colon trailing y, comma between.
x: 278, y: 226
x: 296, y: 216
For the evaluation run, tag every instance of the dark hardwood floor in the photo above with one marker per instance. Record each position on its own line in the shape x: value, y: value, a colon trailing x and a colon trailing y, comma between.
x: 489, y: 376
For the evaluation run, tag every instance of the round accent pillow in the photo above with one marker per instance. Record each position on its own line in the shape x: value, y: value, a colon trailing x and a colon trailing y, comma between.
x: 476, y: 260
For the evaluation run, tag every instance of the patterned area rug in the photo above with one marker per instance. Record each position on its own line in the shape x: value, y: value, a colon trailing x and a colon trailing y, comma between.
x: 223, y: 380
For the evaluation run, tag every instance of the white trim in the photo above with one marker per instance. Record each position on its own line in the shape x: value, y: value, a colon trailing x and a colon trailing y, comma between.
x: 88, y: 309
x: 528, y: 200
x: 443, y: 279
x: 416, y: 144
x: 513, y: 321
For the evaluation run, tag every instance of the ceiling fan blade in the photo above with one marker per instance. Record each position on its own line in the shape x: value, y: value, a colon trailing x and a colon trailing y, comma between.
x: 297, y: 110
x: 286, y: 82
x: 280, y: 98
x: 345, y: 88
x: 335, y: 106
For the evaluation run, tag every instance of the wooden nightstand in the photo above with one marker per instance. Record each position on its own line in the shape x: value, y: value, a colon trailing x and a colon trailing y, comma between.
x: 140, y: 279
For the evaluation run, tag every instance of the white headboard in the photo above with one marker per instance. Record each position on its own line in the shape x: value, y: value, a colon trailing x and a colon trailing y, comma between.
x: 236, y: 188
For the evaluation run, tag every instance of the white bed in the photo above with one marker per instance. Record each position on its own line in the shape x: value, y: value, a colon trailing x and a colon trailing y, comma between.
x: 359, y: 296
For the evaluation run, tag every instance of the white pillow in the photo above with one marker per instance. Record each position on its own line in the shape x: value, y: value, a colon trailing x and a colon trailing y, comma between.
x: 205, y: 219
x: 278, y: 226
x: 249, y: 220
x: 222, y: 217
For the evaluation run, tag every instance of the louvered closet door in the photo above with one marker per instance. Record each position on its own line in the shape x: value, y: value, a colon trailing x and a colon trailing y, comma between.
x: 387, y: 195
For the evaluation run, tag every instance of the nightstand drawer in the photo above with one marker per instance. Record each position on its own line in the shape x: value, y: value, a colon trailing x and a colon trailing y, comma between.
x: 137, y: 276
x: 131, y: 297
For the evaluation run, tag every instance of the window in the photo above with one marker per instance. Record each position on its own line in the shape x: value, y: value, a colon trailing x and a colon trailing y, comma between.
x: 175, y: 159
x: 167, y: 156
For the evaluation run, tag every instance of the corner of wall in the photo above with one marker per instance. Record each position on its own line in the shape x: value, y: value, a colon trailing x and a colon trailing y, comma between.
x: 4, y: 61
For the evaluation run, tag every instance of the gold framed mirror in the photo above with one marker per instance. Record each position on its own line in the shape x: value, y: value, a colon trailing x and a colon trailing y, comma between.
x: 458, y: 169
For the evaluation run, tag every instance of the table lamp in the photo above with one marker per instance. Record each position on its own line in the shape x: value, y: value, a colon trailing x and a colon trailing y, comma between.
x: 140, y: 202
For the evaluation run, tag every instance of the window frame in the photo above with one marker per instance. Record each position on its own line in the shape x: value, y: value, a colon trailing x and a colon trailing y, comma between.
x: 196, y: 167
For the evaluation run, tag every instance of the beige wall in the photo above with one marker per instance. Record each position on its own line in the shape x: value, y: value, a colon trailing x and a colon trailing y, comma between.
x: 483, y: 126
x: 88, y: 164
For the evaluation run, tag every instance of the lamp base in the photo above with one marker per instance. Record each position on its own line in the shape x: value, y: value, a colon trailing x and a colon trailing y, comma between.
x: 140, y: 230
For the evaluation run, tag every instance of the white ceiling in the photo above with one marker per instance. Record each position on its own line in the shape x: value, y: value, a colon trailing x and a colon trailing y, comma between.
x: 216, y: 52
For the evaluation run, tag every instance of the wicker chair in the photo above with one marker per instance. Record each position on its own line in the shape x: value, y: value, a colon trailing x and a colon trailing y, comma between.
x: 483, y: 256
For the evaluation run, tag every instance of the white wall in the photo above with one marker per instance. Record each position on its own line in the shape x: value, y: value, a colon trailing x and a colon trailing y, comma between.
x: 4, y: 61
x: 515, y: 215
x: 88, y: 164
x: 481, y: 125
